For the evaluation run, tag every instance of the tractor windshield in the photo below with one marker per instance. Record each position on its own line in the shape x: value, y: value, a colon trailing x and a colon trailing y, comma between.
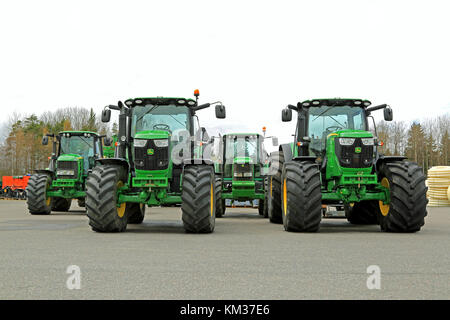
x: 242, y: 146
x: 324, y: 120
x: 81, y: 145
x: 170, y: 118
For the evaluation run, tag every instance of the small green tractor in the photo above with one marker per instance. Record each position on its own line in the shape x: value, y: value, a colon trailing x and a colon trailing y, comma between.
x: 334, y: 159
x: 242, y: 169
x: 73, y: 156
x: 159, y: 161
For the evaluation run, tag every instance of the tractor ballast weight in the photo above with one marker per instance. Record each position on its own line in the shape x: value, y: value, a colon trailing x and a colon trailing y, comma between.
x: 73, y: 156
x: 159, y: 161
x: 334, y: 159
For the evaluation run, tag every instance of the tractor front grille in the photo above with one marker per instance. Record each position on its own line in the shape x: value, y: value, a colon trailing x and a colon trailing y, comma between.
x: 151, y: 157
x: 241, y: 172
x: 67, y: 165
x: 349, y: 158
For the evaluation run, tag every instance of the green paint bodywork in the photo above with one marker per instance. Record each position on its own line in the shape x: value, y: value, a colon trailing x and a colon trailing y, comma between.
x: 151, y: 187
x: 348, y: 185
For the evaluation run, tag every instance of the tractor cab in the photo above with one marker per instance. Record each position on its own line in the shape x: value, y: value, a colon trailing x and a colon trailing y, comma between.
x: 243, y: 155
x: 74, y: 153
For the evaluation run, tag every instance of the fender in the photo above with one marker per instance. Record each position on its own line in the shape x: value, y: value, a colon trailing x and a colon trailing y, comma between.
x: 383, y: 159
x: 287, y: 151
x: 208, y: 162
x: 117, y: 161
x: 46, y: 171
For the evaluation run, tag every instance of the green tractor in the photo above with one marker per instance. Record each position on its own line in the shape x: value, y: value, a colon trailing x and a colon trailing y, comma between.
x: 242, y: 169
x: 334, y: 159
x: 159, y: 161
x: 73, y: 156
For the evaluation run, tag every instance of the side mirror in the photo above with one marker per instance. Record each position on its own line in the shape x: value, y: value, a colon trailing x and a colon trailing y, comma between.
x: 44, y: 140
x: 275, y: 141
x: 106, y: 115
x: 107, y: 141
x: 388, y: 115
x: 220, y: 111
x: 286, y: 115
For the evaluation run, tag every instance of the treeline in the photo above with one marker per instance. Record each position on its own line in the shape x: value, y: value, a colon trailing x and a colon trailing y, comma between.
x: 21, y: 151
x: 426, y: 142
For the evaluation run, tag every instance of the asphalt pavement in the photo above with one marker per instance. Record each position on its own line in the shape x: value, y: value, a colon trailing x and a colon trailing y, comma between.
x: 245, y: 258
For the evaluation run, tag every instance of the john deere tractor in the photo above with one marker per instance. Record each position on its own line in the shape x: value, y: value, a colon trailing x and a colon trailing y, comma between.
x: 242, y: 169
x: 73, y: 156
x: 159, y: 160
x: 334, y: 159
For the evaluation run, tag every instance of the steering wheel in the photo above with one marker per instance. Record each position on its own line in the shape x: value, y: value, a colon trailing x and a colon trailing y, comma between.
x: 333, y: 127
x: 162, y: 126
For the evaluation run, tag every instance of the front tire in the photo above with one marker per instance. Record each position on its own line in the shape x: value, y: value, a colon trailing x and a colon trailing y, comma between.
x: 364, y: 212
x: 220, y: 205
x: 136, y: 213
x: 37, y: 200
x: 301, y: 197
x: 274, y: 201
x: 408, y: 206
x: 199, y: 199
x: 101, y: 199
x: 61, y: 204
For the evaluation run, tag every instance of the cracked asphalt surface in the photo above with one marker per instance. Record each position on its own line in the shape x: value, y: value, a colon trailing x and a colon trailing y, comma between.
x: 245, y: 258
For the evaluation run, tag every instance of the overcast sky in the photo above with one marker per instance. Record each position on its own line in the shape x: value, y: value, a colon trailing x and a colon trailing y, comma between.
x: 254, y: 56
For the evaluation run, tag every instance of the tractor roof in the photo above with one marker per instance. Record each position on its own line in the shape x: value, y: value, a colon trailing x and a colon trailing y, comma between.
x: 335, y: 102
x: 242, y: 134
x: 160, y: 101
x: 79, y: 133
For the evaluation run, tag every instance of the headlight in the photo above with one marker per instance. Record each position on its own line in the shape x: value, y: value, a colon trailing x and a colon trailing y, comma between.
x: 66, y: 172
x: 248, y: 174
x: 367, y: 141
x: 346, y: 141
x: 238, y: 174
x: 161, y: 143
x: 140, y: 143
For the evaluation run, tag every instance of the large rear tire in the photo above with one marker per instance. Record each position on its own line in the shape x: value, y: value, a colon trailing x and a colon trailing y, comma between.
x: 136, y: 212
x: 199, y: 199
x: 274, y: 182
x: 220, y: 205
x: 37, y: 200
x: 408, y: 206
x: 364, y: 212
x: 61, y: 204
x: 101, y: 199
x: 301, y: 196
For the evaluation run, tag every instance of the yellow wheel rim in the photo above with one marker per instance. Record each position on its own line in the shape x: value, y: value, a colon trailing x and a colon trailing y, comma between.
x: 384, y: 208
x: 122, y: 207
x: 212, y: 199
x: 284, y: 197
x: 48, y: 201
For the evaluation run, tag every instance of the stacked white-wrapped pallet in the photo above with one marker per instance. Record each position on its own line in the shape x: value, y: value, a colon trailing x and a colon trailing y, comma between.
x: 438, y: 183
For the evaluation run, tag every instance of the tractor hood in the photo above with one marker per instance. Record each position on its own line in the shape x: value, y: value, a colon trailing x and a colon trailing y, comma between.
x: 352, y: 134
x: 242, y: 160
x: 152, y: 134
x: 69, y: 157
